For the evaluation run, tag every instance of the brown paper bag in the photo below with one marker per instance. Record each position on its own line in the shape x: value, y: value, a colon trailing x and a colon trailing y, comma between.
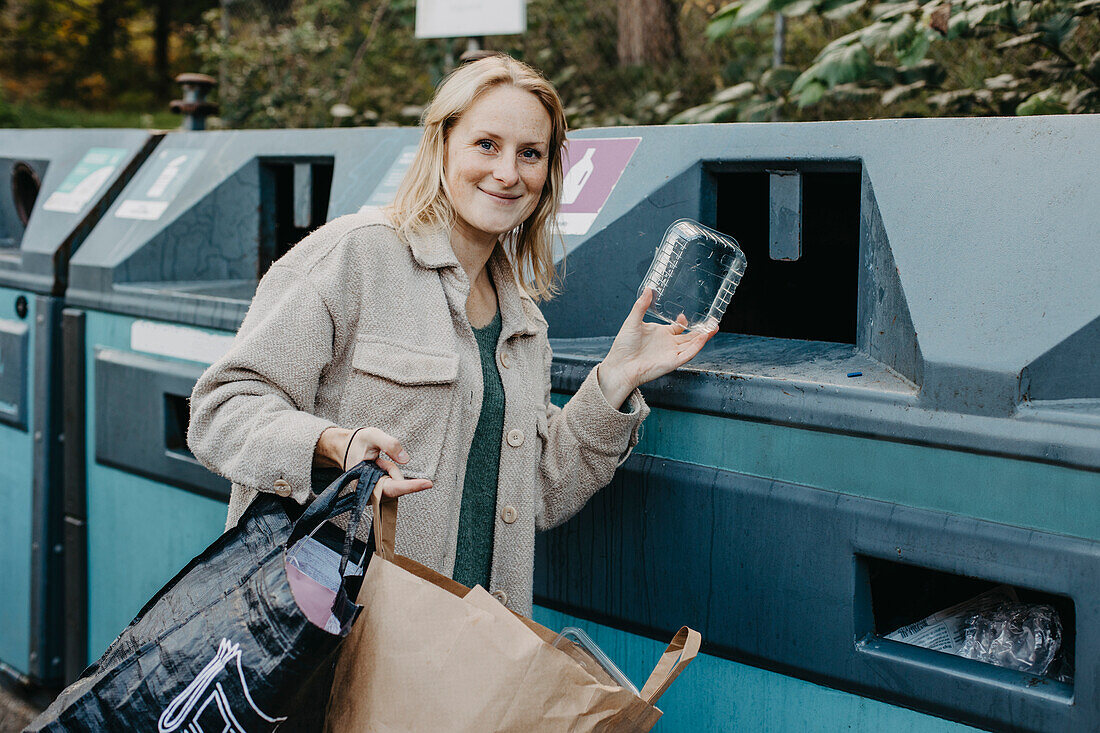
x: 429, y: 654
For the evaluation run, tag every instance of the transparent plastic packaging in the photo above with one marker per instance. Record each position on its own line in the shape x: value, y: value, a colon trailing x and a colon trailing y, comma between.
x: 585, y: 652
x: 694, y: 273
x: 1021, y: 636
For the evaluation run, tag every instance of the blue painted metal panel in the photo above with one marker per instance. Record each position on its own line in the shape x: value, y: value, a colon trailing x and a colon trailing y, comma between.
x: 992, y: 488
x: 66, y: 179
x: 960, y: 330
x: 716, y: 694
x: 199, y: 259
x: 791, y: 578
x: 949, y: 325
x: 16, y: 520
x: 140, y: 532
x: 80, y: 173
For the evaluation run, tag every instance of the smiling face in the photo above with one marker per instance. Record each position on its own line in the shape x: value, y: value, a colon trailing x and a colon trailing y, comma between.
x: 496, y: 163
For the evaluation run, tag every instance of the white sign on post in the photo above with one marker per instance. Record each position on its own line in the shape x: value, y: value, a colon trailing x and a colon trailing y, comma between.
x: 461, y: 18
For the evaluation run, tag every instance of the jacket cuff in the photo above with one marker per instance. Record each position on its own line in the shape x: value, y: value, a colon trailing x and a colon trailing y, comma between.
x: 600, y: 427
x: 292, y: 464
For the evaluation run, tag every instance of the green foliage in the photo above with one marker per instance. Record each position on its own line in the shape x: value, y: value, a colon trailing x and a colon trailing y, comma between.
x: 29, y: 115
x: 96, y: 54
x: 295, y: 69
x: 924, y: 56
x: 361, y: 61
x: 1043, y: 103
x: 310, y: 63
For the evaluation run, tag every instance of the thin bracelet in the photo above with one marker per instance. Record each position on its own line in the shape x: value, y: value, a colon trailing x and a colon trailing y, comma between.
x: 344, y: 465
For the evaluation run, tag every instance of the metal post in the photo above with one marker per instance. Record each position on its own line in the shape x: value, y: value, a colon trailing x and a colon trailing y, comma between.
x: 779, y: 45
x: 194, y: 106
x: 779, y: 41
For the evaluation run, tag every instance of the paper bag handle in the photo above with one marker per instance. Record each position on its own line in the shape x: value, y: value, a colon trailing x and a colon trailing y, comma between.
x: 681, y: 650
x: 385, y: 522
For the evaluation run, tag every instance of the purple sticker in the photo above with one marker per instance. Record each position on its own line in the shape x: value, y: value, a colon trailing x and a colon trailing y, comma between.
x: 591, y: 169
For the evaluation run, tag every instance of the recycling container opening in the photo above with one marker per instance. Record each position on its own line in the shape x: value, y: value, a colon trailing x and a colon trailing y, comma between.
x: 177, y: 417
x: 920, y: 606
x: 294, y: 196
x: 25, y: 185
x: 25, y: 179
x: 798, y: 226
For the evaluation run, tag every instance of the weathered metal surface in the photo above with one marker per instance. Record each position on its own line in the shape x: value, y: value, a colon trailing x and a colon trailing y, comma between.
x: 718, y: 694
x: 772, y: 573
x: 785, y: 214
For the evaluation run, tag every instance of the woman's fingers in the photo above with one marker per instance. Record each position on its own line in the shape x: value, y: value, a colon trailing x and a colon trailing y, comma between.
x: 369, y: 443
x: 641, y: 305
x: 388, y: 444
x: 694, y: 345
x: 391, y: 468
x: 391, y: 488
x: 396, y: 484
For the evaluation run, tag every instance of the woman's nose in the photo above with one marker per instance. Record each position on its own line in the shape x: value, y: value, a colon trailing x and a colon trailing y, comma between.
x: 505, y: 171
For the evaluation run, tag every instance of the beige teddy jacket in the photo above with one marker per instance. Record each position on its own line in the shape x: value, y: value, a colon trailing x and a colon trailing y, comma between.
x: 357, y: 327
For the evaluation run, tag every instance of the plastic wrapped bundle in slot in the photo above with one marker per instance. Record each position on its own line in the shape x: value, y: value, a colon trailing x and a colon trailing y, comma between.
x: 1021, y: 636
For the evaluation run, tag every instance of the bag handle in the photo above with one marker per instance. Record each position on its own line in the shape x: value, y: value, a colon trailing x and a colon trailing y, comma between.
x: 681, y: 650
x: 329, y: 504
x: 385, y: 523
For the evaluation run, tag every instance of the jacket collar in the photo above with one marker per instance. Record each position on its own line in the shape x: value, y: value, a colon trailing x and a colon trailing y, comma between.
x: 519, y: 314
x: 517, y: 309
x: 432, y: 249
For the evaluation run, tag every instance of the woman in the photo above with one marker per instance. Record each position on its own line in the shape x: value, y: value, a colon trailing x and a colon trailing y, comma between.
x: 413, y: 334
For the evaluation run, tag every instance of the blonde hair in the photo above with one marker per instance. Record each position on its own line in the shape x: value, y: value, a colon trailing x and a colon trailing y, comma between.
x: 422, y: 202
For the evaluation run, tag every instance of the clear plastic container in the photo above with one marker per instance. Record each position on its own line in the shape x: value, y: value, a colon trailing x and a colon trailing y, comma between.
x: 694, y: 274
x: 583, y: 650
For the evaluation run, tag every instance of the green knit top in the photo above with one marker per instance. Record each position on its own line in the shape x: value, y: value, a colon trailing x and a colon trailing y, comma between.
x: 474, y: 558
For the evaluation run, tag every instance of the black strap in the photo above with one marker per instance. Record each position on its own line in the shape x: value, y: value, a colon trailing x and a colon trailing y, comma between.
x: 330, y: 504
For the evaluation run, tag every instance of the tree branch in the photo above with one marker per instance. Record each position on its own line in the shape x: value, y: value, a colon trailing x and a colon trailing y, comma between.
x: 1079, y: 68
x: 360, y: 52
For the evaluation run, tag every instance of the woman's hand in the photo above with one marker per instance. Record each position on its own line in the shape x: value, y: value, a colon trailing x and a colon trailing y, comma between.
x: 367, y: 444
x: 644, y: 351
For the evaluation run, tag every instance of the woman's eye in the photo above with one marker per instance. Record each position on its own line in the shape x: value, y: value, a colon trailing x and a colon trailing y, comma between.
x: 531, y: 154
x: 485, y: 144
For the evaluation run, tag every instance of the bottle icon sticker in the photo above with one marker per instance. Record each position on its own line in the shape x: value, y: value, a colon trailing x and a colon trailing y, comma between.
x: 578, y: 175
x: 166, y: 176
x: 585, y: 187
x: 158, y: 184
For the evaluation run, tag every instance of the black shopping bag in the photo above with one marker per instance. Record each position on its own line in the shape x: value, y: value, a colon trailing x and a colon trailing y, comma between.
x: 226, y: 645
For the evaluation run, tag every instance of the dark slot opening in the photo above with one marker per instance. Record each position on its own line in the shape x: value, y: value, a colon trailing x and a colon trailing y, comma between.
x: 813, y: 297
x: 905, y: 594
x: 25, y: 185
x: 177, y: 416
x: 281, y: 195
x: 24, y: 178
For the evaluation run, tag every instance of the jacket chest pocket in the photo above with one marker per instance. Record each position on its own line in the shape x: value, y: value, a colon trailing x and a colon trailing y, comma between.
x: 406, y: 391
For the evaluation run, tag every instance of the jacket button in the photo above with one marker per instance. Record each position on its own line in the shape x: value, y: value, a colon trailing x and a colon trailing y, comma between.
x: 500, y: 596
x: 515, y: 438
x: 508, y: 514
x: 504, y: 359
x: 282, y: 488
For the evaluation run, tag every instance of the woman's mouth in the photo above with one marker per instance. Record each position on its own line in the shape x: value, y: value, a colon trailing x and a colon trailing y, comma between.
x: 500, y: 196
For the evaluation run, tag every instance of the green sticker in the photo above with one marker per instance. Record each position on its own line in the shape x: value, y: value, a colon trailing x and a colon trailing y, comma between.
x: 85, y: 180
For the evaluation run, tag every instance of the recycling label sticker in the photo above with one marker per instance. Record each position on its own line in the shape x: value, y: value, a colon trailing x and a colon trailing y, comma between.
x: 85, y: 180
x: 591, y: 170
x: 158, y: 183
x: 387, y: 189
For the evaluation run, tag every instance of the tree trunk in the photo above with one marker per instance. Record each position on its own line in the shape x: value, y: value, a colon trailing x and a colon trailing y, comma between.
x: 648, y: 32
x: 101, y: 46
x: 161, y: 34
